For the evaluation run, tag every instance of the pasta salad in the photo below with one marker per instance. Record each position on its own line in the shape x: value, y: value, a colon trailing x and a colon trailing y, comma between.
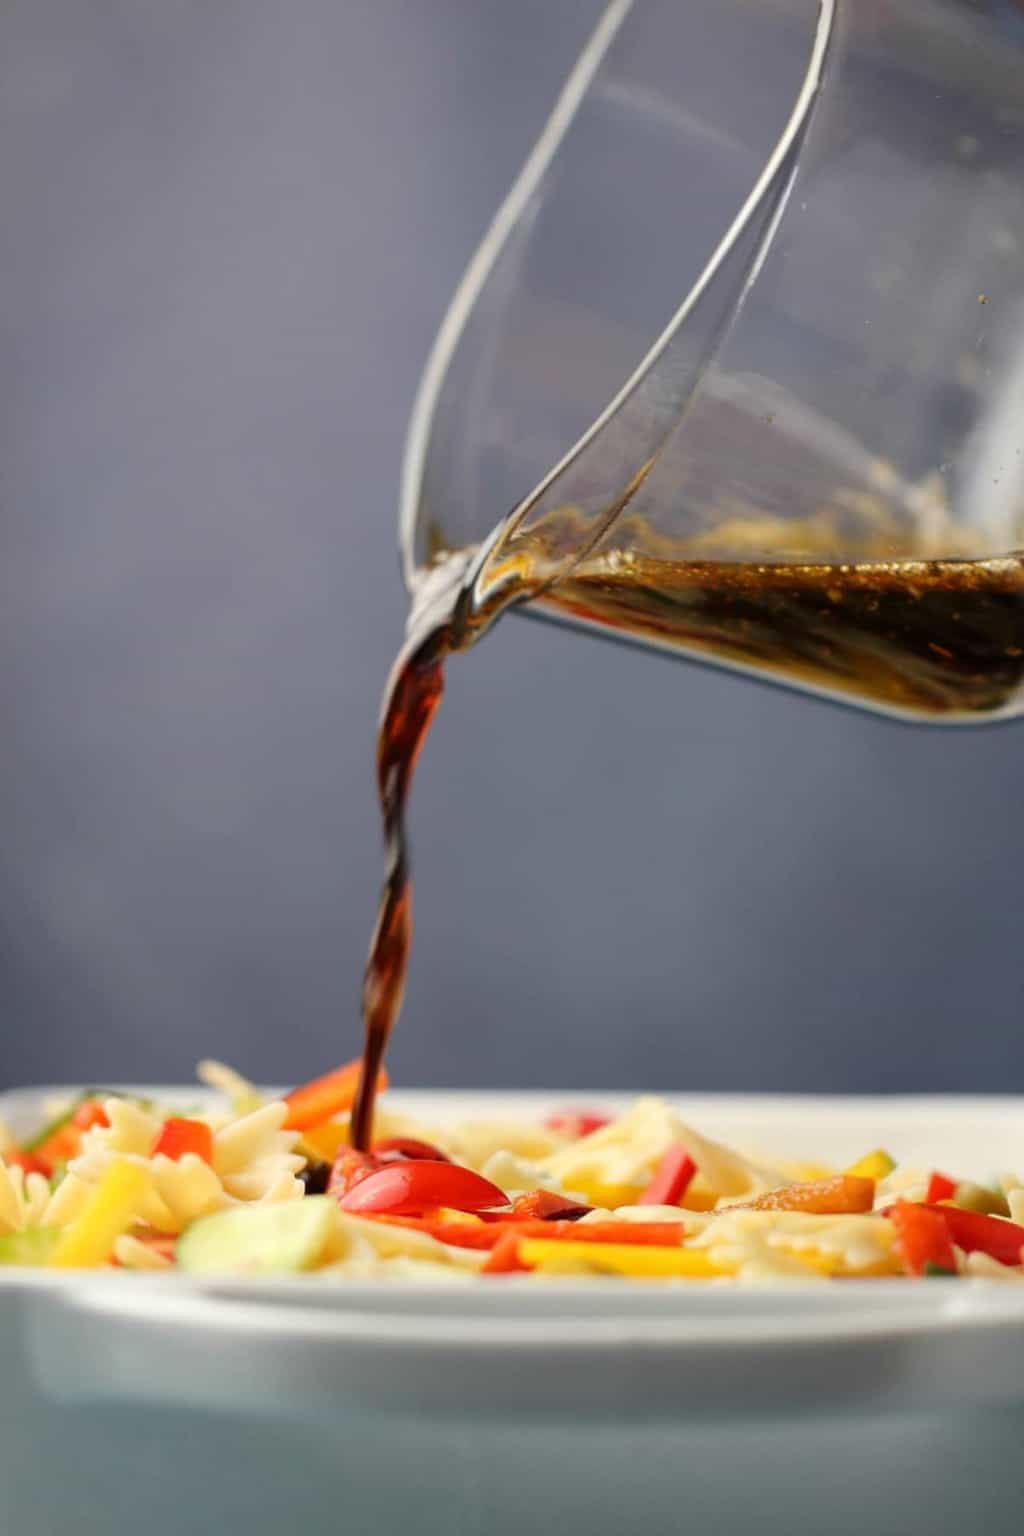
x: 269, y: 1186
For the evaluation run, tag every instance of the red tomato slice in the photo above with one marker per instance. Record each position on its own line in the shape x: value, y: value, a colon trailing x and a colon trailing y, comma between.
x: 403, y: 1189
x: 409, y: 1147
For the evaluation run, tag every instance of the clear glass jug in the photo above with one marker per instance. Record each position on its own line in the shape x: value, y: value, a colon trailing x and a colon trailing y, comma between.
x: 811, y: 468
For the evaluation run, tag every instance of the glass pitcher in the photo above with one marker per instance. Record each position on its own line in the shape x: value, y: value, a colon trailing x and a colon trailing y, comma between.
x: 811, y: 468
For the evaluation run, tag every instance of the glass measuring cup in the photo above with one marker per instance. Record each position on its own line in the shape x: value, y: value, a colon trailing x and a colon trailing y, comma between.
x: 812, y: 467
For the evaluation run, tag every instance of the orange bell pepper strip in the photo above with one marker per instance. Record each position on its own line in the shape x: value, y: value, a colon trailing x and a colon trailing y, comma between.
x: 922, y: 1239
x: 26, y: 1161
x: 325, y: 1097
x: 179, y: 1137
x: 89, y: 1114
x: 843, y: 1195
x: 503, y: 1258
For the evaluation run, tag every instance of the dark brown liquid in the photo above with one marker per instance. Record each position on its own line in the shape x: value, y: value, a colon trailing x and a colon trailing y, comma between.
x: 929, y: 640
x: 411, y: 697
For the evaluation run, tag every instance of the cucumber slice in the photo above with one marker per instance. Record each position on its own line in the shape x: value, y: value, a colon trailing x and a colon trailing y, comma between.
x: 259, y: 1240
x: 31, y: 1247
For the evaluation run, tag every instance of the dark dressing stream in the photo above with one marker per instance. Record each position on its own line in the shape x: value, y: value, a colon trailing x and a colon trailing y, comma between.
x: 926, y: 640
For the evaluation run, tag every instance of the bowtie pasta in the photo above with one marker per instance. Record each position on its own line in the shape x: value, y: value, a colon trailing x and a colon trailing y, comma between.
x: 259, y: 1185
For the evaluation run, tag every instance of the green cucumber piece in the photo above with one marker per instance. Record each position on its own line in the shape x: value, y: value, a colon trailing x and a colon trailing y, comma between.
x: 259, y: 1239
x: 31, y: 1247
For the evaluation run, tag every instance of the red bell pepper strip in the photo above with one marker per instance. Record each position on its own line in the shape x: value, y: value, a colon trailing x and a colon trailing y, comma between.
x: 1002, y: 1240
x: 404, y: 1189
x: 576, y: 1122
x: 325, y: 1097
x: 409, y: 1147
x: 480, y: 1234
x: 27, y: 1161
x: 178, y: 1137
x: 844, y: 1194
x: 503, y: 1258
x: 545, y: 1205
x: 940, y: 1187
x: 89, y: 1114
x: 671, y: 1180
x: 922, y: 1238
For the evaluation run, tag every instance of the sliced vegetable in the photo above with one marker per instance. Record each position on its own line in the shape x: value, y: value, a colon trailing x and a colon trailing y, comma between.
x: 922, y: 1239
x: 324, y: 1142
x: 487, y: 1234
x: 110, y: 1210
x: 940, y: 1187
x: 671, y: 1180
x: 325, y: 1097
x: 31, y: 1247
x: 975, y: 1233
x: 844, y: 1194
x: 51, y: 1128
x: 642, y: 1261
x: 503, y: 1258
x: 26, y: 1161
x: 576, y: 1123
x: 873, y: 1165
x: 404, y: 1189
x: 975, y: 1197
x: 411, y: 1148
x: 89, y: 1114
x: 545, y: 1205
x: 259, y: 1239
x: 179, y: 1137
x: 351, y: 1168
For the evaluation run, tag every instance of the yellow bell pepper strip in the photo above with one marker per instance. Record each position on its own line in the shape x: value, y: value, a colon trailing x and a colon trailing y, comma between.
x: 923, y: 1240
x: 671, y: 1179
x: 326, y: 1097
x: 322, y: 1143
x: 843, y: 1195
x: 640, y: 1260
x: 874, y: 1165
x: 110, y: 1210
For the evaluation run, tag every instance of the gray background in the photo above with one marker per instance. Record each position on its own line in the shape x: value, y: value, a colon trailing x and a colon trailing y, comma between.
x: 230, y: 230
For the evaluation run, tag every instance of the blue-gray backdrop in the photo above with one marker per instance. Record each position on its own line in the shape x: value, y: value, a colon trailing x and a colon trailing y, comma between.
x: 229, y: 232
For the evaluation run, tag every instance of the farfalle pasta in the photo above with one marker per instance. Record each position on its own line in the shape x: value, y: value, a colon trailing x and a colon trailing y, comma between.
x: 253, y: 1184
